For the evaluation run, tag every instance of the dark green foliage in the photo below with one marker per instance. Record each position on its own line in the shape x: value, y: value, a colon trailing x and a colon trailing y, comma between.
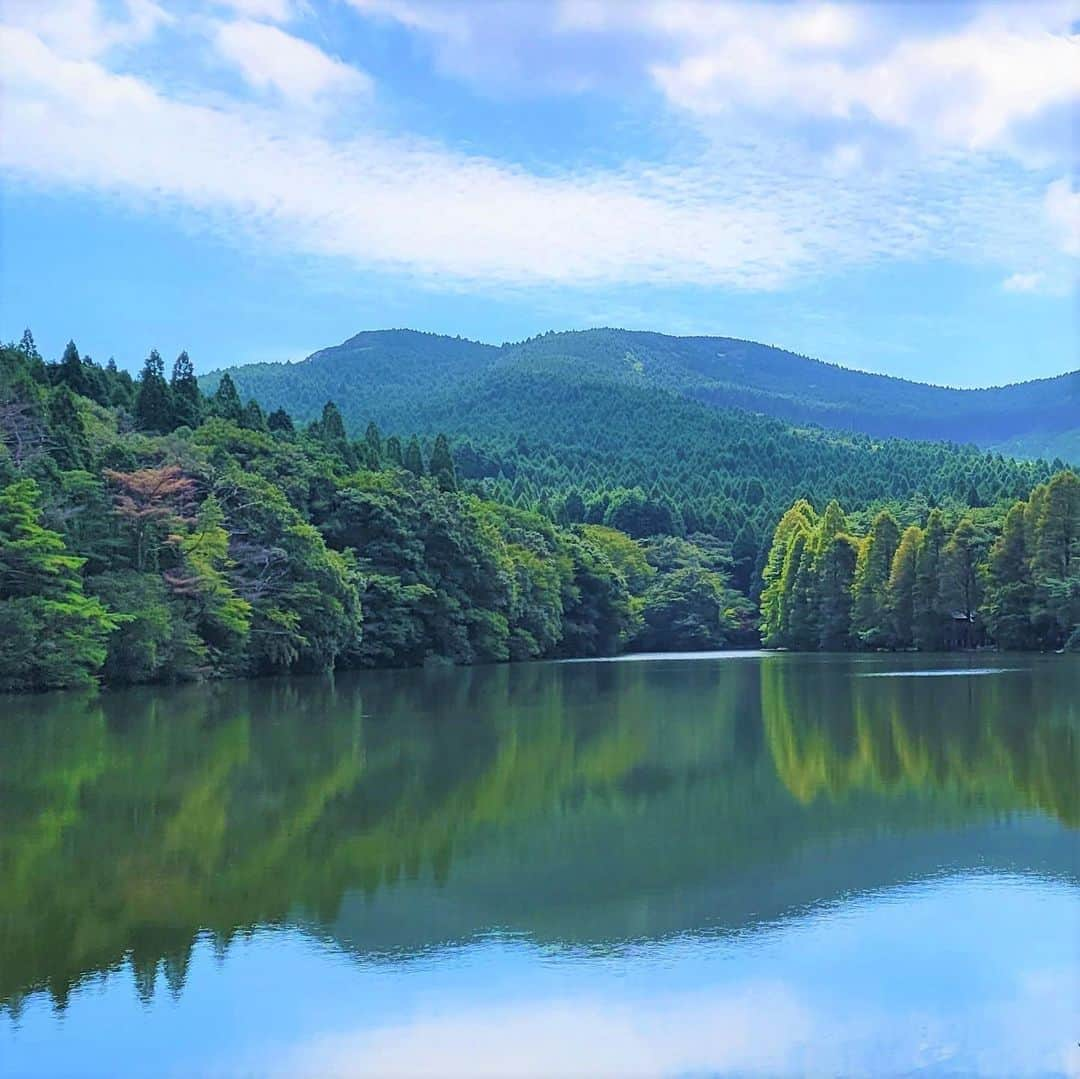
x: 280, y: 420
x: 578, y: 518
x: 225, y: 549
x: 253, y: 418
x: 414, y: 459
x: 70, y: 371
x: 870, y: 610
x: 568, y: 424
x: 393, y: 452
x: 442, y: 465
x: 153, y: 401
x: 187, y: 400
x: 637, y: 515
x: 399, y: 377
x: 69, y: 444
x: 835, y: 575
x: 373, y: 441
x: 330, y: 430
x: 152, y: 644
x: 225, y: 401
x: 689, y: 603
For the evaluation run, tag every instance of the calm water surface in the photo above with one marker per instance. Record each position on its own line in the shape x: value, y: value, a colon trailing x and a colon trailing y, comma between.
x: 672, y: 866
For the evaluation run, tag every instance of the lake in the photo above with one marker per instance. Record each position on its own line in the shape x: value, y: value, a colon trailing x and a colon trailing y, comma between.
x: 718, y: 864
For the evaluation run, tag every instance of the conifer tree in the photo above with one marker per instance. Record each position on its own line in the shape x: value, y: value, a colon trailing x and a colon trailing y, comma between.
x: 1009, y: 591
x: 778, y: 574
x: 253, y: 418
x: 930, y: 617
x: 832, y: 523
x: 28, y: 348
x: 414, y: 458
x: 187, y: 400
x: 1055, y: 557
x: 574, y: 510
x: 280, y: 420
x: 835, y: 573
x: 332, y: 434
x: 964, y: 555
x: 801, y: 627
x: 870, y: 621
x: 901, y: 590
x: 1056, y: 548
x: 442, y: 465
x: 373, y: 439
x: 744, y: 552
x: 71, y: 372
x: 225, y: 402
x: 153, y: 407
x: 393, y: 452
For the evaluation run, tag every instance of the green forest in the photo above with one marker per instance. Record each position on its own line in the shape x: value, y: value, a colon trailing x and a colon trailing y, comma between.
x: 1003, y: 575
x: 396, y: 376
x: 150, y: 532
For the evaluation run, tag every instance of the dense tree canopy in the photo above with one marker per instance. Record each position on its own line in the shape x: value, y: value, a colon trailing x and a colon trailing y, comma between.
x: 149, y: 533
x: 402, y: 377
x: 1008, y: 575
x: 187, y: 538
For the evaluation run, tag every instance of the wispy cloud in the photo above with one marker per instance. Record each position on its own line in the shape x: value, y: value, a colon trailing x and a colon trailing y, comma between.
x: 1063, y: 210
x: 1024, y: 282
x: 273, y: 10
x: 80, y: 28
x: 957, y: 75
x: 755, y: 212
x: 270, y: 59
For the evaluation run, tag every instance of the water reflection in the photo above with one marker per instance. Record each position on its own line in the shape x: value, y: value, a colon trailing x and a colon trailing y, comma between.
x: 1011, y: 743
x: 582, y: 807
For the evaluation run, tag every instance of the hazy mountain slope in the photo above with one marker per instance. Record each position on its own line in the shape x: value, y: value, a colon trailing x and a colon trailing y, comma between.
x: 1064, y: 446
x: 398, y: 377
x: 743, y: 374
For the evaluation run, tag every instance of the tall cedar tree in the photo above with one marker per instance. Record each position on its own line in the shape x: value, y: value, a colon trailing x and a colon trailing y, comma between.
x: 186, y: 397
x: 153, y: 404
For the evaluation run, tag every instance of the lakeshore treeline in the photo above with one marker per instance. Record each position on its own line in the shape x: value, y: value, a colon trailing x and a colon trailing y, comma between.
x: 152, y: 533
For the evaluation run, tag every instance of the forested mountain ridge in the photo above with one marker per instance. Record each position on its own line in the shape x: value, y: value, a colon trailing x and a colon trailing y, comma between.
x: 393, y: 376
x: 151, y: 533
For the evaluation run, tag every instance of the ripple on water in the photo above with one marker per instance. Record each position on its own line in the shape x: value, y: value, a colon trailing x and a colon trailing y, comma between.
x: 965, y: 673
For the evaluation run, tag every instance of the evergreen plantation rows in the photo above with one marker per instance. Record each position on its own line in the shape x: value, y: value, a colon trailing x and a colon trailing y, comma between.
x: 151, y: 533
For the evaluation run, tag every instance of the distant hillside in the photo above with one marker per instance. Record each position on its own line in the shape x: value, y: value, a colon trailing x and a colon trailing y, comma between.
x: 408, y: 380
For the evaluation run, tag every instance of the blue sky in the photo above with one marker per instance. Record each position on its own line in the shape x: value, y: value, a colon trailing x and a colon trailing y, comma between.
x: 890, y: 187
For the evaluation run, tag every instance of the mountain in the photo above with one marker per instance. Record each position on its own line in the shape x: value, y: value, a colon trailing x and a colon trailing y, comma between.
x: 406, y: 380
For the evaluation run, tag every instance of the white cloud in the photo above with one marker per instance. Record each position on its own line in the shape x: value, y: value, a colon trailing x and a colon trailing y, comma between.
x: 968, y: 87
x: 746, y: 218
x: 1024, y: 282
x: 1063, y: 209
x: 80, y: 28
x: 974, y: 78
x: 758, y: 212
x: 270, y: 59
x: 759, y: 1027
x: 273, y: 10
